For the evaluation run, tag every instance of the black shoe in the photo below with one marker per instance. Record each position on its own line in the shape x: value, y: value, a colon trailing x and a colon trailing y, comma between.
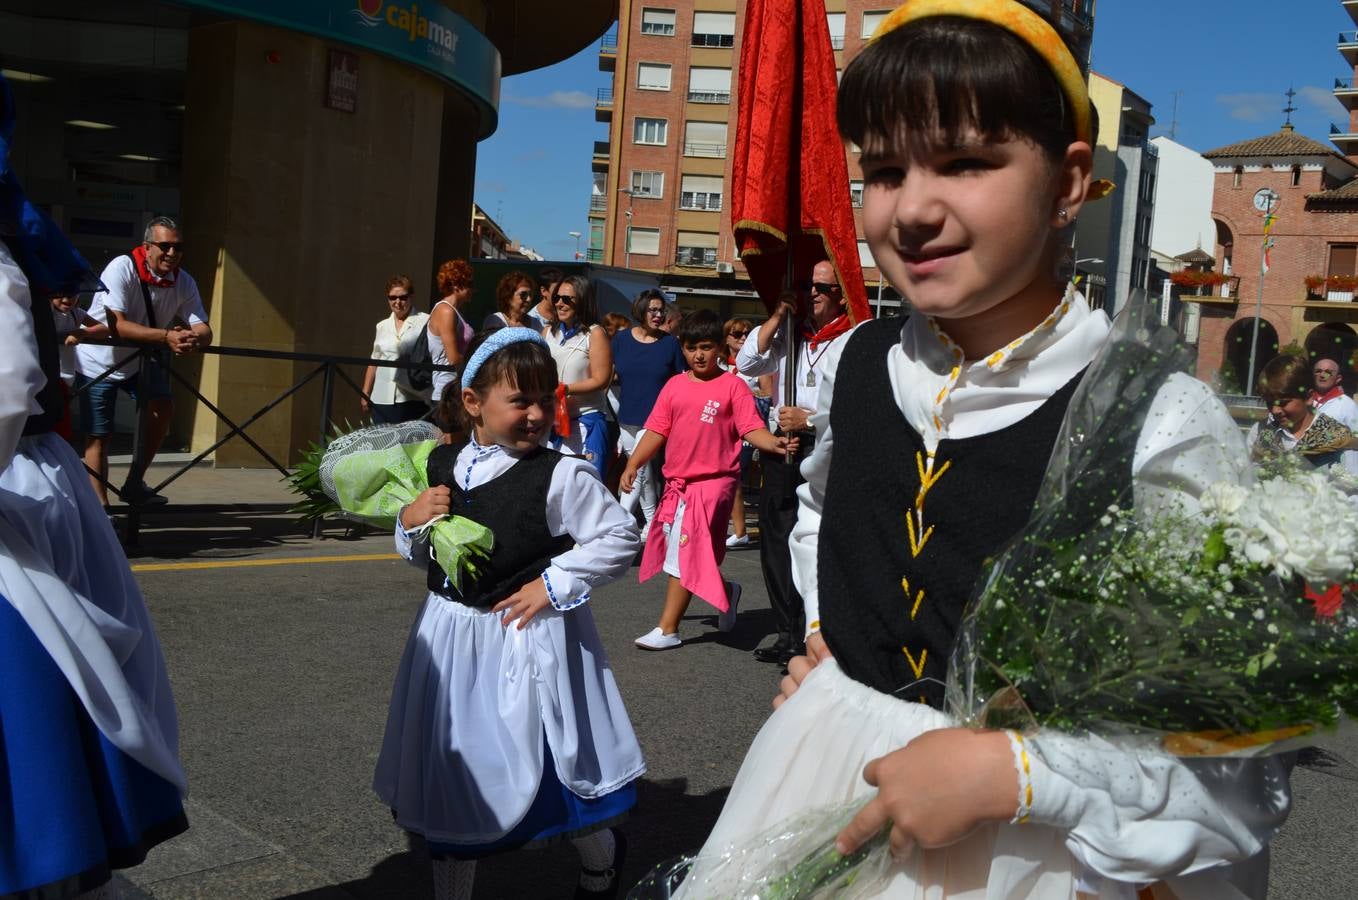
x: 138, y: 494
x: 614, y: 872
x: 776, y: 653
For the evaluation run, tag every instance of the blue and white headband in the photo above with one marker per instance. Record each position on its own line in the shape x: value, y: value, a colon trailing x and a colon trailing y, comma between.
x: 497, y: 341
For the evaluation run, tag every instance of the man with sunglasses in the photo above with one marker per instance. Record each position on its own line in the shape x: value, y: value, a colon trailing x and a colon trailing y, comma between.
x: 825, y: 321
x: 149, y: 301
x: 1328, y: 394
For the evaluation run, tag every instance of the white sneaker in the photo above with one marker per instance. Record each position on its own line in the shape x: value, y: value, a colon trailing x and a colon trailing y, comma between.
x: 655, y: 639
x: 645, y: 533
x: 733, y: 541
x: 727, y: 620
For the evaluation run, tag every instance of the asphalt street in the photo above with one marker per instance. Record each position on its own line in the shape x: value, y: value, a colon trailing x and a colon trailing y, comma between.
x: 282, y: 649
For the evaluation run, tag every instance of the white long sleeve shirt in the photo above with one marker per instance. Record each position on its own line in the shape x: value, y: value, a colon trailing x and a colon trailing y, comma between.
x: 1131, y: 817
x: 578, y: 504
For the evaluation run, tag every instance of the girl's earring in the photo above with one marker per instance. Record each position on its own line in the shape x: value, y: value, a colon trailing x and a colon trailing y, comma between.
x: 1063, y: 214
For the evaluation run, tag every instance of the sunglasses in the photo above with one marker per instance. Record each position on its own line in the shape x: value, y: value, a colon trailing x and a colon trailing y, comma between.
x: 563, y: 298
x: 523, y: 295
x: 167, y: 246
x: 820, y: 287
x: 398, y: 298
x: 739, y: 334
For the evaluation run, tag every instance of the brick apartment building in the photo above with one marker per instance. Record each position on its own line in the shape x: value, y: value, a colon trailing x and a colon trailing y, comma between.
x: 659, y: 200
x: 1315, y: 236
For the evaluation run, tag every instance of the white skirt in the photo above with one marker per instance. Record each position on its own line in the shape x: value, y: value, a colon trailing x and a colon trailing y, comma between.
x: 62, y: 568
x: 810, y: 754
x: 463, y: 753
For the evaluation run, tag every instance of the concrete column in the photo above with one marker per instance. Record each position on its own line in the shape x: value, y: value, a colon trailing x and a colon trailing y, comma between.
x: 296, y: 214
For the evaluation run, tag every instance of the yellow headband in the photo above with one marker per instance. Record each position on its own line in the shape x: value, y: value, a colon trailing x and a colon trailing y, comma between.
x: 1028, y: 27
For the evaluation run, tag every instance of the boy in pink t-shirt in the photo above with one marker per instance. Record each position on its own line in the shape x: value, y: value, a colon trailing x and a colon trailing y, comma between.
x: 700, y: 418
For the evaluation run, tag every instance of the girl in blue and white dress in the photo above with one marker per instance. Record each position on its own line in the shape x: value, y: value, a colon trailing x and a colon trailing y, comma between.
x: 506, y: 728
x: 90, y: 777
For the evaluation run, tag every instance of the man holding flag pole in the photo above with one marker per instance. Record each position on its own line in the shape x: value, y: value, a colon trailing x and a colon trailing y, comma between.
x: 794, y: 226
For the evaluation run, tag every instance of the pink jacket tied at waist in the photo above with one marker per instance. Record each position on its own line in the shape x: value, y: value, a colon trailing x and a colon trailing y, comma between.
x: 702, y: 539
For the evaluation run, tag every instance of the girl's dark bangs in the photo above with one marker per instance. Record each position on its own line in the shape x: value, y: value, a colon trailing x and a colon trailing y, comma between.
x: 526, y: 366
x: 943, y: 79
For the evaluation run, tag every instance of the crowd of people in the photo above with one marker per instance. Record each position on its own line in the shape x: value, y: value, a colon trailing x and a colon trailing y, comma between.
x: 914, y: 451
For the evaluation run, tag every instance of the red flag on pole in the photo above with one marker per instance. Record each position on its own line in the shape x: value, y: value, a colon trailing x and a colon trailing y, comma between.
x: 790, y: 182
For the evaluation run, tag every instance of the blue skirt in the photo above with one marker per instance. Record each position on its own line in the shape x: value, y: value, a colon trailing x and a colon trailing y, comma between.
x: 72, y: 806
x: 556, y: 814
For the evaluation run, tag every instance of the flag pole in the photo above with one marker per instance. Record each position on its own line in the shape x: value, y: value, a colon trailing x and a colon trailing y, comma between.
x: 1259, y: 301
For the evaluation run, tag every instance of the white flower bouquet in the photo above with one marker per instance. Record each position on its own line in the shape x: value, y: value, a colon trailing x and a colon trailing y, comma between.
x: 1212, y: 623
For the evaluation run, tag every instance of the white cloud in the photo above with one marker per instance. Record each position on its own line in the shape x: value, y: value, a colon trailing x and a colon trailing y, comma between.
x: 1321, y: 101
x: 555, y: 100
x: 492, y: 187
x: 1251, y: 107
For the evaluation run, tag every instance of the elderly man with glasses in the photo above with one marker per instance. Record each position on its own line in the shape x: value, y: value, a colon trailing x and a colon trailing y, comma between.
x: 1328, y: 395
x: 149, y: 301
x: 826, y: 321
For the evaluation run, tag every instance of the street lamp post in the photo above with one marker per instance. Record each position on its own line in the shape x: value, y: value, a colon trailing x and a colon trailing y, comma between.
x: 627, y: 235
x: 576, y: 235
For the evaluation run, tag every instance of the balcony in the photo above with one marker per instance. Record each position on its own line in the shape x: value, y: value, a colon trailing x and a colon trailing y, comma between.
x: 603, y: 105
x: 837, y: 41
x: 1346, y: 139
x: 598, y: 203
x: 608, y: 52
x: 1348, y: 46
x: 1227, y: 291
x: 601, y: 151
x: 1351, y: 7
x: 709, y: 96
x: 696, y: 257
x: 713, y: 40
x: 594, y: 254
x: 1346, y: 93
x: 708, y: 151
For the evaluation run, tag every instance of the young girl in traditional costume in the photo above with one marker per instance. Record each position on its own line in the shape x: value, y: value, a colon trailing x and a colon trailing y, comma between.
x: 976, y: 134
x: 90, y: 777
x: 506, y: 728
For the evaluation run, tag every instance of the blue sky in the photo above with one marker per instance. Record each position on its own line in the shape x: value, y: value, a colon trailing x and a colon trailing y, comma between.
x: 1231, y: 61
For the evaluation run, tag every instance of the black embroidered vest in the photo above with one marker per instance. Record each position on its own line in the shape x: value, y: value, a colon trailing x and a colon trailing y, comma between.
x: 903, y: 540
x: 514, y: 507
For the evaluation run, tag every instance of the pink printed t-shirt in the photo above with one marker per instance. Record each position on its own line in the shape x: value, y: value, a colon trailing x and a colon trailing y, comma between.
x: 702, y: 422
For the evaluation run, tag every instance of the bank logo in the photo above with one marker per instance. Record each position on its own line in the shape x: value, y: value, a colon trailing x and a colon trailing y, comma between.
x: 367, y: 13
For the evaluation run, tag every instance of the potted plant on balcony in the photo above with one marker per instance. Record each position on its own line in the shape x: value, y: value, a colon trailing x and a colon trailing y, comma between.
x: 1200, y: 281
x: 1340, y: 288
x: 1314, y: 284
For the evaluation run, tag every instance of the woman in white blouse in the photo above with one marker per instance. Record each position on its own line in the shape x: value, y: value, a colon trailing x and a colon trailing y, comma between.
x: 584, y: 364
x: 389, y: 398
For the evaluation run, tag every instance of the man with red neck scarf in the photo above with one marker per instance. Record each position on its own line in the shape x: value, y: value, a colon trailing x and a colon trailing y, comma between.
x: 1328, y: 394
x: 827, y: 321
x: 149, y: 301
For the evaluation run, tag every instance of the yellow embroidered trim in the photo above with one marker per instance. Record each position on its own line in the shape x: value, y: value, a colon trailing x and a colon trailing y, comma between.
x: 917, y: 543
x: 1025, y: 771
x: 916, y: 667
x: 815, y: 626
x: 927, y: 480
x: 919, y: 597
x: 1001, y: 356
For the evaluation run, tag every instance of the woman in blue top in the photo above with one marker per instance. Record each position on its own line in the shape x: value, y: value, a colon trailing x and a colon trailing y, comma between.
x: 644, y: 358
